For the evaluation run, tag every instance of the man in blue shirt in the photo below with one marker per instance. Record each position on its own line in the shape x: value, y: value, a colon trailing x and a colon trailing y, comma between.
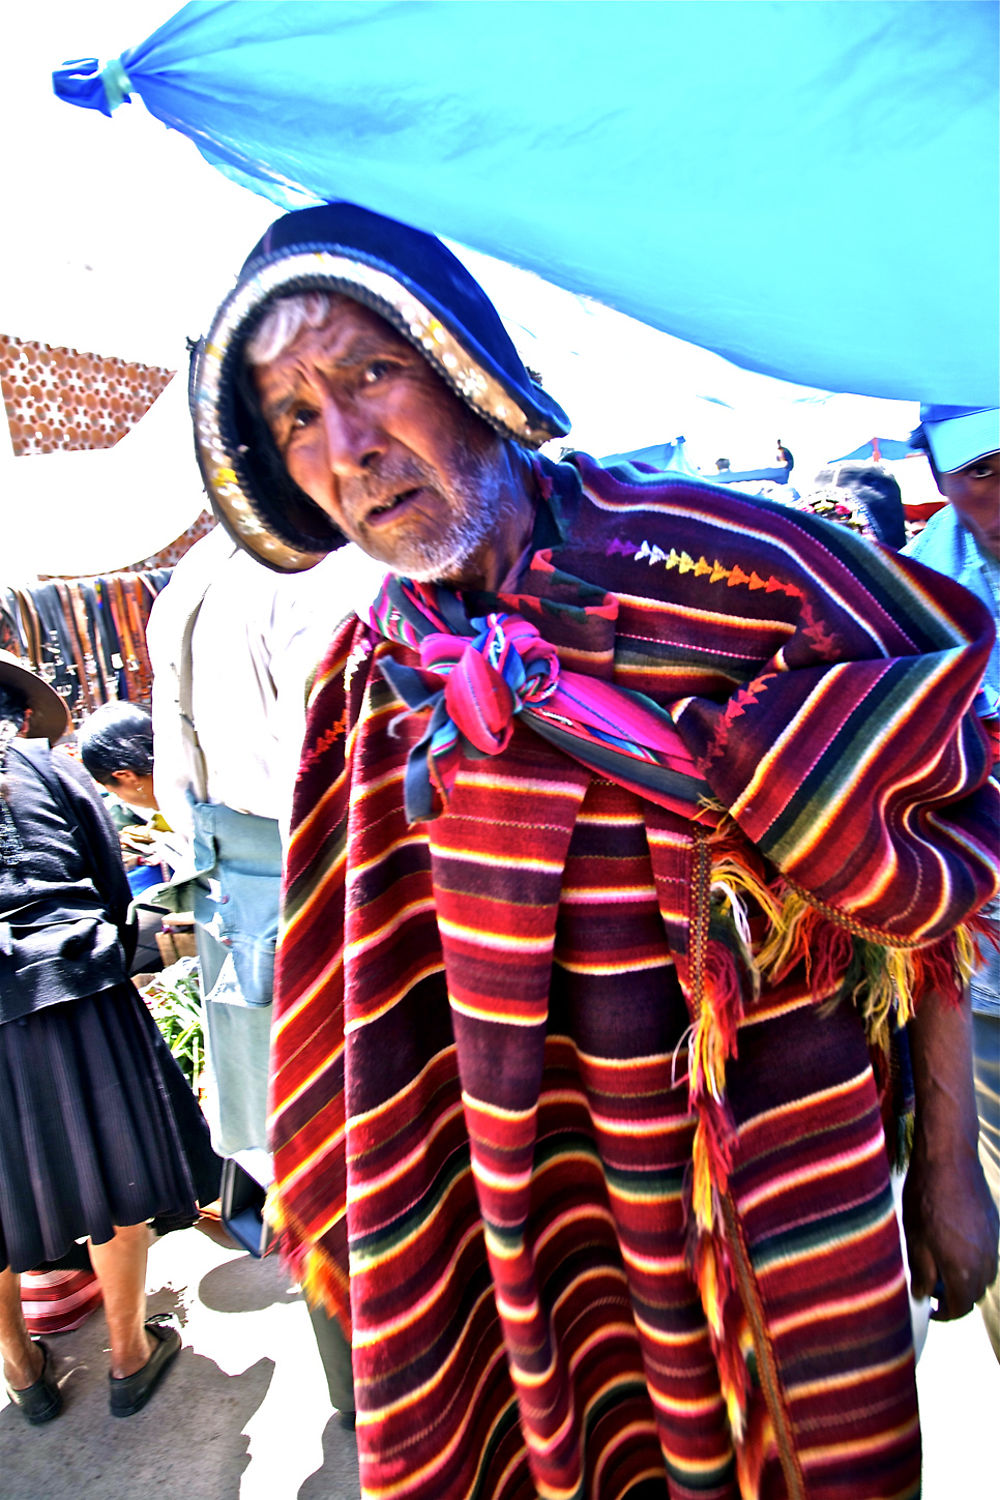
x: 963, y: 541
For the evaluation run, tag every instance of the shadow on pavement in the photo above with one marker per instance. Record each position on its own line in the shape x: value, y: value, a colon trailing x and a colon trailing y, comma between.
x: 188, y: 1441
x: 338, y: 1478
x: 243, y: 1285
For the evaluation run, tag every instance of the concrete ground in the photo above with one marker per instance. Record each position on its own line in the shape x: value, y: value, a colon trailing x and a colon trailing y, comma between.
x: 244, y: 1412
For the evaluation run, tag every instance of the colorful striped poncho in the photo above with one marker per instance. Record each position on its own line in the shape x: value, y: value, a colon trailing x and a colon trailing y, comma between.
x: 563, y: 1130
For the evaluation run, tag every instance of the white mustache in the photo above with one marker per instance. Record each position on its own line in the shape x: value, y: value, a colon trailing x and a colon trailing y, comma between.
x: 381, y: 486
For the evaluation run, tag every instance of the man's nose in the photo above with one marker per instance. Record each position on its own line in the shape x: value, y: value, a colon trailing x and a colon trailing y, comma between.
x: 353, y: 439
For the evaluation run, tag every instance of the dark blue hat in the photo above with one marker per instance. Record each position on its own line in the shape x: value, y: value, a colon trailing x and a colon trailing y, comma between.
x: 409, y: 278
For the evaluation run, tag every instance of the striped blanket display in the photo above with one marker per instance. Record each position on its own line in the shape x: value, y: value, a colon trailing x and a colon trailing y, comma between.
x: 567, y: 1130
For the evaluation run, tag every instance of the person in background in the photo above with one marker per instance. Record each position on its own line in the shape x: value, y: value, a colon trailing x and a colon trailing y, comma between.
x: 99, y: 1131
x: 962, y: 541
x: 784, y: 459
x: 232, y: 648
x: 573, y: 1119
x: 116, y: 747
x: 862, y: 496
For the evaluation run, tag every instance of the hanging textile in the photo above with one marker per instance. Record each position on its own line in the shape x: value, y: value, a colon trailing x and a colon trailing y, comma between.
x: 86, y: 636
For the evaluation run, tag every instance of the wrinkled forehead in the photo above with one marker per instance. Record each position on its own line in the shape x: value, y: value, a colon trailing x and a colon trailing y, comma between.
x: 287, y: 320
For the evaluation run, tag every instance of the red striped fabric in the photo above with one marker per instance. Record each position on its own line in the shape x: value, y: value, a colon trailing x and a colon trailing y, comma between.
x: 601, y: 1196
x: 58, y: 1301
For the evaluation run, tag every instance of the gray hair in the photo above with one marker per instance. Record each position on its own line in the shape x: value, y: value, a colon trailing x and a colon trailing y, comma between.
x: 283, y: 322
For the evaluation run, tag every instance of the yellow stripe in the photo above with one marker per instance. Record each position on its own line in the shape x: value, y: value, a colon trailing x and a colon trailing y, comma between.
x: 387, y: 1327
x: 504, y: 942
x: 677, y: 611
x: 814, y: 1172
x: 333, y: 1140
x: 414, y: 1085
x: 499, y: 861
x: 498, y: 1112
x: 810, y: 1102
x: 501, y: 1017
x: 850, y: 1306
x: 357, y: 1193
x: 492, y: 780
x: 858, y: 1446
x: 613, y: 966
x: 690, y: 1407
x: 398, y: 919
x: 416, y: 1477
x: 296, y: 1093
x: 847, y: 1381
x: 419, y: 1392
x: 365, y: 1262
x: 308, y: 995
x: 359, y: 868
x: 582, y: 895
x: 666, y: 1339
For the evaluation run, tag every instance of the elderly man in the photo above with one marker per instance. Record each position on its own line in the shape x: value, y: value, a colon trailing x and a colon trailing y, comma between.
x: 624, y: 823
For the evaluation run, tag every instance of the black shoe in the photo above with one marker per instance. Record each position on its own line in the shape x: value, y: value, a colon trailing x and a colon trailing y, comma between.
x: 130, y: 1393
x: 41, y: 1401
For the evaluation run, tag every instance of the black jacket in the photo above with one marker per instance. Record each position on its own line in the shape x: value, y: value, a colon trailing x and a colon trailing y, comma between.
x: 64, y: 929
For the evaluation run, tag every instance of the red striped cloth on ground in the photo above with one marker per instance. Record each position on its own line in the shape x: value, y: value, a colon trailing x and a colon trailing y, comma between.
x: 58, y: 1301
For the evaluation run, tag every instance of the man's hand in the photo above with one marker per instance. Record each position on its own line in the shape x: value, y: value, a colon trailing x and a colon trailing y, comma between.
x: 951, y: 1230
x: 950, y: 1222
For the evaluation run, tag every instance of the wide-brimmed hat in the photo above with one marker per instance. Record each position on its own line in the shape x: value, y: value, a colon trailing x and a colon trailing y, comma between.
x: 49, y: 715
x: 957, y: 435
x: 420, y: 288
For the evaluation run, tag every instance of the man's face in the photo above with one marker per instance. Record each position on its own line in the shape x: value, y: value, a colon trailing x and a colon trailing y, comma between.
x: 975, y: 493
x: 379, y: 442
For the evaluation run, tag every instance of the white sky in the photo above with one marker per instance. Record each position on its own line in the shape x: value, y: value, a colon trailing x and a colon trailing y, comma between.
x: 120, y: 239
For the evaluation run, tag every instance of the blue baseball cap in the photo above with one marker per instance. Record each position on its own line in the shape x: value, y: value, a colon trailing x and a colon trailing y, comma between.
x: 957, y: 435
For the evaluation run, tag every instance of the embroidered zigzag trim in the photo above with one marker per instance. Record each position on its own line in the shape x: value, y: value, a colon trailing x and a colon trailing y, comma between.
x: 717, y: 572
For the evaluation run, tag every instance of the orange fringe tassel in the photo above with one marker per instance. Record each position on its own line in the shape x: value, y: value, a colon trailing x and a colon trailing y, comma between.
x: 323, y: 1282
x: 881, y: 980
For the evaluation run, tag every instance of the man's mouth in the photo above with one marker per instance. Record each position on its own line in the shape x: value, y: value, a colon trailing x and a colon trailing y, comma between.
x: 380, y: 513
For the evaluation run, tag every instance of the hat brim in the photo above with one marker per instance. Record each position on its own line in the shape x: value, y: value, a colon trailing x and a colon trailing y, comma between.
x: 50, y: 717
x: 958, y: 442
x: 281, y: 531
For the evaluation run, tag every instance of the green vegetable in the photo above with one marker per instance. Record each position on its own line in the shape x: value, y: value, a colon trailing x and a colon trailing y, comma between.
x: 174, y: 1000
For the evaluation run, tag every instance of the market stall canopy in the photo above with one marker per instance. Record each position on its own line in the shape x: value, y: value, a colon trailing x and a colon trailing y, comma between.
x: 657, y: 456
x: 876, y: 449
x: 718, y: 171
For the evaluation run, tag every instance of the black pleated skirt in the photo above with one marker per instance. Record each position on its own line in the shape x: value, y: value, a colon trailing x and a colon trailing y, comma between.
x: 98, y: 1127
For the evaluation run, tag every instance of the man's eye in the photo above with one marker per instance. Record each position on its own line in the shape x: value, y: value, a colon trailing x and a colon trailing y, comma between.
x: 300, y: 416
x: 376, y: 370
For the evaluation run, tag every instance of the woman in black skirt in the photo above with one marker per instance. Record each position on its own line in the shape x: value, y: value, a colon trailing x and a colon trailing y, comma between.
x: 99, y: 1131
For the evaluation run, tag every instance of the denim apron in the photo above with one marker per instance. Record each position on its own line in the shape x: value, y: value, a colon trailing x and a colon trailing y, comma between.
x: 235, y: 895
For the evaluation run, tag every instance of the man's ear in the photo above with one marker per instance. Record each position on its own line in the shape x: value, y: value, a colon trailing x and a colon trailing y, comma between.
x: 123, y: 779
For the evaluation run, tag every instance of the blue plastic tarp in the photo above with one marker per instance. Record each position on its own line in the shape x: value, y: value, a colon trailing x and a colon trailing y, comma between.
x: 791, y: 185
x: 891, y: 449
x: 656, y: 456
